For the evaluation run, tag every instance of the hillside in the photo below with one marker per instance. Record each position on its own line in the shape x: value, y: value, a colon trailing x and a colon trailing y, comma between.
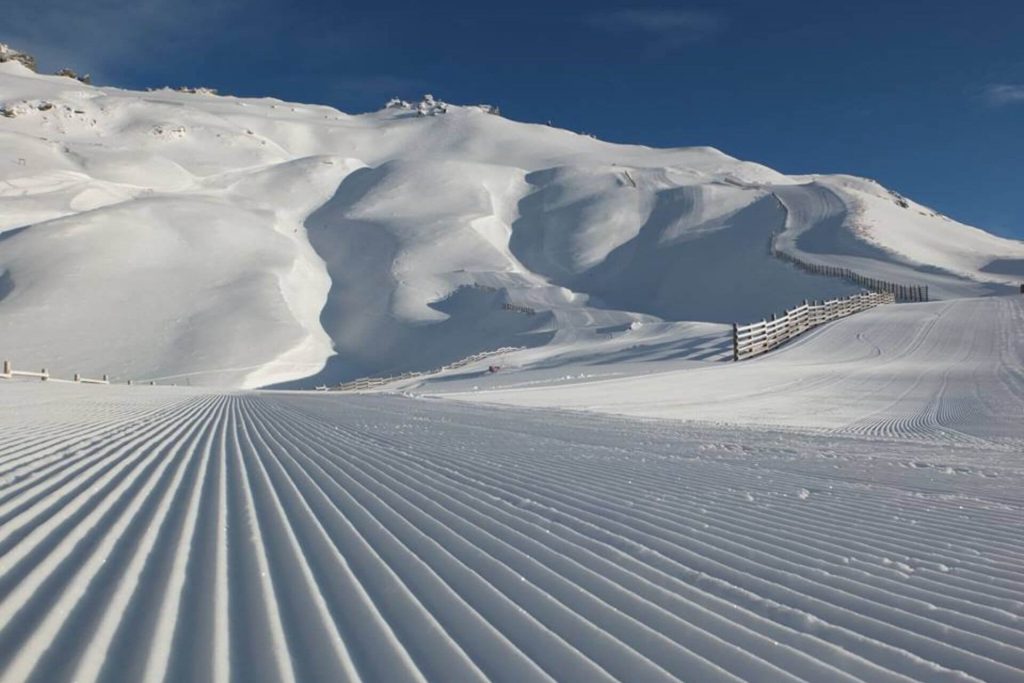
x: 215, y: 240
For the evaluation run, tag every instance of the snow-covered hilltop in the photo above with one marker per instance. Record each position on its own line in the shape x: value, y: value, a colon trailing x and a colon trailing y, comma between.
x: 245, y: 242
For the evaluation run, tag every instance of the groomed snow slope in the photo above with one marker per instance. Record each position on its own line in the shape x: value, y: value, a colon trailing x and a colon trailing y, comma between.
x: 242, y: 242
x: 949, y: 371
x: 172, y: 534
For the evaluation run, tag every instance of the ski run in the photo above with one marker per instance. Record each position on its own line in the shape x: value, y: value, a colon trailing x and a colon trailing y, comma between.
x: 586, y: 490
x: 178, y: 534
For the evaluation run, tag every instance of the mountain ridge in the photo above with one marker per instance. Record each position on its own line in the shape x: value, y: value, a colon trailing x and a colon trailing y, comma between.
x: 193, y: 237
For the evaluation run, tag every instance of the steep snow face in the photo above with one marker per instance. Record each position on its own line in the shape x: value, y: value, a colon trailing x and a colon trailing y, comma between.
x: 189, y: 237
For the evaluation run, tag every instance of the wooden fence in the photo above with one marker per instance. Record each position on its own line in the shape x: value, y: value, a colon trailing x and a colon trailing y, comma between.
x: 901, y: 292
x: 761, y: 337
x: 10, y: 373
x: 516, y: 308
x: 364, y: 383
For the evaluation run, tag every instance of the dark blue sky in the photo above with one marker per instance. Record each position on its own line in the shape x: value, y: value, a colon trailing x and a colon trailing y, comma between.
x: 926, y: 97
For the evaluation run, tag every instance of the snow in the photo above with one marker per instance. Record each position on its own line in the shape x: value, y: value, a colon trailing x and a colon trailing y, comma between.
x: 617, y: 501
x: 213, y: 240
x: 947, y: 371
x: 165, y: 533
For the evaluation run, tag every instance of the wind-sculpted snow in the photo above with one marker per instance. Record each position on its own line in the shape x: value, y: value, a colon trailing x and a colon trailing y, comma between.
x: 193, y: 238
x: 169, y: 534
x: 845, y: 223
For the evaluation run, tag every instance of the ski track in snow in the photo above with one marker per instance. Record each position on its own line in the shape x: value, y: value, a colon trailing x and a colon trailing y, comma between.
x: 949, y: 372
x: 171, y: 534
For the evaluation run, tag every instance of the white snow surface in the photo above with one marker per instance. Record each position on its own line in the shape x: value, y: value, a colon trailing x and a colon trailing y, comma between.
x: 215, y: 240
x: 849, y: 507
x: 180, y: 534
x: 949, y: 371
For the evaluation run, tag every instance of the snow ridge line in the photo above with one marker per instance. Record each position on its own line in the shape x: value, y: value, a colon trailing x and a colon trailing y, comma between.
x: 304, y: 537
x: 900, y: 291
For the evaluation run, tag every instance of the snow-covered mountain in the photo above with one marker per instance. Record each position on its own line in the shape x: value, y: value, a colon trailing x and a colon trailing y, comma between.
x: 247, y: 242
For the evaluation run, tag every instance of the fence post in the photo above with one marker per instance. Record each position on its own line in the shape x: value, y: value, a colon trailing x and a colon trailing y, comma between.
x: 735, y: 342
x: 78, y: 377
x: 45, y: 375
x: 7, y: 367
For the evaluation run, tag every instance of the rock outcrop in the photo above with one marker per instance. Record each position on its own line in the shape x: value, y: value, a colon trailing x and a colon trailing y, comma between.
x: 9, y: 54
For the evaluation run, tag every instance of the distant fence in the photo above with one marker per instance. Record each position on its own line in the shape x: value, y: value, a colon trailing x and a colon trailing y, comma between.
x: 900, y: 292
x: 516, y: 308
x: 44, y: 375
x: 761, y: 337
x: 10, y: 373
x: 372, y: 382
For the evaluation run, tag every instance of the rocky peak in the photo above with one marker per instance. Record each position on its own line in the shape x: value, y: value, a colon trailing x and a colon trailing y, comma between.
x: 9, y: 54
x: 429, y: 106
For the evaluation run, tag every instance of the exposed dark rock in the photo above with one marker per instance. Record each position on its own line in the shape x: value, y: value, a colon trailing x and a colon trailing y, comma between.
x: 68, y: 73
x: 9, y: 54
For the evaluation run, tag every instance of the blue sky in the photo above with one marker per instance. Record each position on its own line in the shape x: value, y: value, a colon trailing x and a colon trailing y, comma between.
x: 926, y: 97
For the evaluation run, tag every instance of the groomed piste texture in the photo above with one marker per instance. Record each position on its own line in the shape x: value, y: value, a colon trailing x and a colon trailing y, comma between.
x: 174, y: 534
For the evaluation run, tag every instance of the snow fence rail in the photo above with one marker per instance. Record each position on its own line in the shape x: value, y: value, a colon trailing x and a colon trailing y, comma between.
x: 364, y: 383
x: 10, y: 373
x: 516, y: 308
x: 899, y: 291
x: 761, y: 337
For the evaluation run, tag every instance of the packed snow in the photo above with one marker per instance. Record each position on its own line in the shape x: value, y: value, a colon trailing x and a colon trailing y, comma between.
x: 160, y: 533
x: 946, y: 370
